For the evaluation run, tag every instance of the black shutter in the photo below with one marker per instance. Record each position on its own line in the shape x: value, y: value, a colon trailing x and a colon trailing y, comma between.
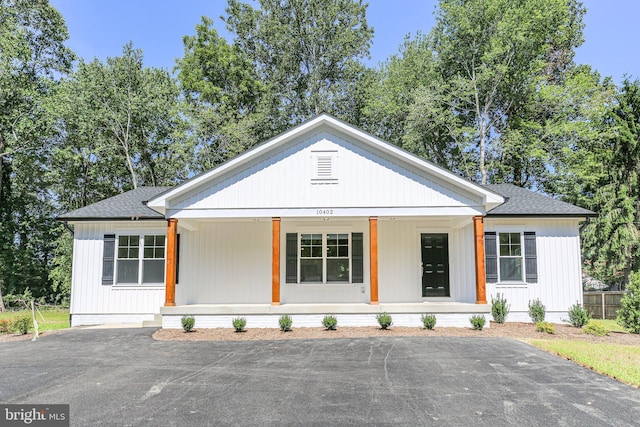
x: 357, y: 275
x: 292, y: 258
x: 177, y: 259
x: 530, y: 257
x: 490, y: 257
x: 108, y: 255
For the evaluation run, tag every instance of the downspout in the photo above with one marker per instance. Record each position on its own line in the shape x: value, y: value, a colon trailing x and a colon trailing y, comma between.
x: 69, y: 229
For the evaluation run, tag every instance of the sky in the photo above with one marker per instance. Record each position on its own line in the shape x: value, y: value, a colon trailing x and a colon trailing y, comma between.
x: 99, y: 29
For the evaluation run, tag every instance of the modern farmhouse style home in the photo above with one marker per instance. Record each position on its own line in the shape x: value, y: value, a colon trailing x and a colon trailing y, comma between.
x: 323, y: 219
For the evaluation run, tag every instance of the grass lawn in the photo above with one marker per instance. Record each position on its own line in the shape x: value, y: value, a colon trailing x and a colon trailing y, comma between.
x: 621, y: 362
x: 56, y: 318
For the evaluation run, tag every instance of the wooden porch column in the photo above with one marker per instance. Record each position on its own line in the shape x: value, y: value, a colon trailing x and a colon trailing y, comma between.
x: 275, y: 261
x: 373, y: 258
x: 481, y: 287
x: 170, y: 273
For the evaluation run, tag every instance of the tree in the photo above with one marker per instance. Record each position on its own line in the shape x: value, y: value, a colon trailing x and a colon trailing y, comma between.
x: 612, y: 240
x: 223, y: 93
x: 305, y: 52
x: 119, y: 128
x: 32, y: 54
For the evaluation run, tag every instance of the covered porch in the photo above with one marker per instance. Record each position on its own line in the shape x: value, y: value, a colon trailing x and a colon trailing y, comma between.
x: 215, y: 284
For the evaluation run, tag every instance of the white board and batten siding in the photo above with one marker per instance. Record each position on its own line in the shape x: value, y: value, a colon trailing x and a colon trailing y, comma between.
x: 559, y: 283
x: 94, y: 303
x: 400, y: 263
x: 291, y: 183
x: 225, y: 263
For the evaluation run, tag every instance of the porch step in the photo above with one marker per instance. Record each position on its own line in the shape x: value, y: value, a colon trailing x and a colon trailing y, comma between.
x: 156, y: 322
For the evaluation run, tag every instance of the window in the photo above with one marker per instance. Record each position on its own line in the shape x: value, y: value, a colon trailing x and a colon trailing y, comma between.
x: 128, y: 259
x: 130, y: 264
x: 510, y: 256
x: 324, y: 258
x: 153, y: 263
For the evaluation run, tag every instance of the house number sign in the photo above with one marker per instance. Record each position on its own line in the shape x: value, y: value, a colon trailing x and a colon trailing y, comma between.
x: 324, y: 211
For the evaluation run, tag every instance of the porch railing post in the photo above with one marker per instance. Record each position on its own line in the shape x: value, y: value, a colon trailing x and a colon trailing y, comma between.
x: 275, y: 261
x: 373, y: 258
x: 481, y: 286
x: 170, y: 272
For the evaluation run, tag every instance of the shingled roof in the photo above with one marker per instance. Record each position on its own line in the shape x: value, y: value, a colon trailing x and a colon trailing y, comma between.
x: 522, y: 202
x: 125, y: 206
x: 518, y: 202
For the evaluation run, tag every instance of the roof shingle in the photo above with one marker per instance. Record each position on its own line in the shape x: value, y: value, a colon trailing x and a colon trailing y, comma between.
x: 125, y: 206
x: 522, y: 202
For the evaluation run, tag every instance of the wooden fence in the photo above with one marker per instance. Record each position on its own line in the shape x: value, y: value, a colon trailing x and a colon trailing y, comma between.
x: 602, y: 305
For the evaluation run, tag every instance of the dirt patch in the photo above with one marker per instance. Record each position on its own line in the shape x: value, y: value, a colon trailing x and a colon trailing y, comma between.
x: 25, y: 337
x: 515, y: 330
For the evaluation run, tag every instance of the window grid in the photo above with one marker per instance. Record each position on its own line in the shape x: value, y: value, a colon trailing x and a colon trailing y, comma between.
x: 154, y: 247
x: 325, y: 258
x: 134, y: 269
x: 510, y: 256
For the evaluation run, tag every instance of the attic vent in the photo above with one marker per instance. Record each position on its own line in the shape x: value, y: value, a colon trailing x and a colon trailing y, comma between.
x: 324, y: 167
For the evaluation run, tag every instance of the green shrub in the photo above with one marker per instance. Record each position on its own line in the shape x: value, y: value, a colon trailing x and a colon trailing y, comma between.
x: 239, y: 323
x: 22, y: 324
x: 596, y: 329
x: 187, y: 323
x: 384, y: 320
x: 537, y: 311
x: 499, y: 308
x: 477, y: 321
x: 285, y: 323
x: 629, y: 312
x: 330, y: 322
x: 5, y: 326
x: 429, y: 321
x: 545, y: 327
x: 578, y: 316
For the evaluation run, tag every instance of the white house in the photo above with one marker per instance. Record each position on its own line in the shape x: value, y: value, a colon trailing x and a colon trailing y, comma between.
x: 323, y: 219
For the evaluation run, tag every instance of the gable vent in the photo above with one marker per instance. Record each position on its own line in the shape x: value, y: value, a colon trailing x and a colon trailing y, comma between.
x: 324, y: 167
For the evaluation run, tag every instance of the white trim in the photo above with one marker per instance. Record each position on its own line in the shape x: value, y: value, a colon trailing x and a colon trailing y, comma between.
x: 322, y: 212
x: 161, y: 202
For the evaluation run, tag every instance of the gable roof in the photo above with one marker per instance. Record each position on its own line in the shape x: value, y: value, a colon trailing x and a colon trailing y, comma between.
x: 327, y: 122
x: 522, y: 202
x: 125, y: 206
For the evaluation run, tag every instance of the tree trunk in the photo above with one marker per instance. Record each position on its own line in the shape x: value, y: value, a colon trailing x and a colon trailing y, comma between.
x: 2, y: 308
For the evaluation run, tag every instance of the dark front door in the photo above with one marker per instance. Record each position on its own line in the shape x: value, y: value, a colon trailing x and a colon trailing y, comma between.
x: 435, y: 264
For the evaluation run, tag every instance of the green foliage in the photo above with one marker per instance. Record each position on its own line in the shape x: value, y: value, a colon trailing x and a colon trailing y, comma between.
x: 330, y: 322
x: 5, y: 326
x: 499, y: 308
x: 477, y: 321
x: 239, y: 323
x: 188, y: 322
x: 22, y: 324
x: 537, y: 311
x: 285, y: 322
x: 384, y: 320
x: 428, y: 321
x: 595, y: 329
x: 547, y: 327
x: 306, y: 52
x: 629, y: 312
x: 578, y: 315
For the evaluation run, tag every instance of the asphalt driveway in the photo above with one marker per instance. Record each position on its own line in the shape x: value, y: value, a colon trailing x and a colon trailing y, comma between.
x: 124, y: 377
